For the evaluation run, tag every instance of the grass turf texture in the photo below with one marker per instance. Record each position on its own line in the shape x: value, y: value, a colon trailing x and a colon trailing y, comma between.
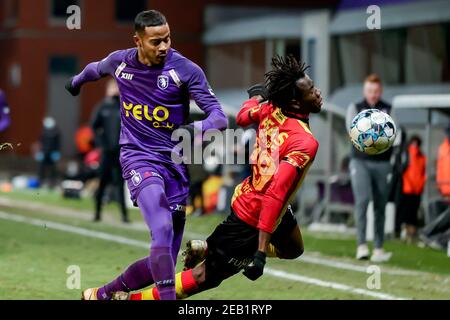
x: 34, y: 259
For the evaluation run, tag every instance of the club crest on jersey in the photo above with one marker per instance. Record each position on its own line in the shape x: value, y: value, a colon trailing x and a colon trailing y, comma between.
x: 163, y: 81
x: 135, y: 177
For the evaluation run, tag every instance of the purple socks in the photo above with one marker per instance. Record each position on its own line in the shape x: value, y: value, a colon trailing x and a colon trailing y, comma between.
x: 159, y: 268
x: 163, y: 271
x: 135, y: 277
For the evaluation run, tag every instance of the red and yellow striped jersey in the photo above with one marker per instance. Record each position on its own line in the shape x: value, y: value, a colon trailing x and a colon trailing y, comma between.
x: 284, y: 150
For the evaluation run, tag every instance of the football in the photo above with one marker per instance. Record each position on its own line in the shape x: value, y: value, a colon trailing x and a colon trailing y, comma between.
x: 372, y: 131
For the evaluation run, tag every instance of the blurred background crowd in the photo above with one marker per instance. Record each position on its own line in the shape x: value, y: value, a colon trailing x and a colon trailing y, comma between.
x: 69, y: 145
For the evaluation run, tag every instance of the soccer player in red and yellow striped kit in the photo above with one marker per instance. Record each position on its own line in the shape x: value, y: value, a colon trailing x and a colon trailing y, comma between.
x: 261, y: 222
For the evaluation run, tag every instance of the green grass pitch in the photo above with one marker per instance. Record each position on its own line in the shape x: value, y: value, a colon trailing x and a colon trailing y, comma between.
x: 34, y: 258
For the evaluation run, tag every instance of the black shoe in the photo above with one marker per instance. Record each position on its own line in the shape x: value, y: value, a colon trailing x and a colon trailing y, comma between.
x: 97, y: 219
x: 126, y: 220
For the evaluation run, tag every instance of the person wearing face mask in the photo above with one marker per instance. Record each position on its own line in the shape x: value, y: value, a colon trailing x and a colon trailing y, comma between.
x: 369, y: 176
x: 49, y: 154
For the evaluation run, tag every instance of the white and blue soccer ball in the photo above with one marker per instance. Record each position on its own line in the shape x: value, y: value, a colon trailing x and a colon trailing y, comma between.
x: 372, y: 131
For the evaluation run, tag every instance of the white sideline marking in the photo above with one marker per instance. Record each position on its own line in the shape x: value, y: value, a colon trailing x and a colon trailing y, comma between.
x: 307, y: 258
x: 73, y: 229
x: 143, y: 244
x: 353, y: 267
x: 333, y: 285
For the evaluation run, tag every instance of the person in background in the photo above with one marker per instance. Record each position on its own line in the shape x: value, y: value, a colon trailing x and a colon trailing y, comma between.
x: 84, y: 140
x: 436, y: 234
x: 5, y: 120
x: 106, y: 125
x: 369, y: 176
x: 399, y: 162
x: 413, y: 183
x: 443, y: 166
x: 49, y: 154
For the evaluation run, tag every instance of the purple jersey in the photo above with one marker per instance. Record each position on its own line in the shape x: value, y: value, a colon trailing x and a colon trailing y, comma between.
x: 155, y: 100
x: 5, y: 119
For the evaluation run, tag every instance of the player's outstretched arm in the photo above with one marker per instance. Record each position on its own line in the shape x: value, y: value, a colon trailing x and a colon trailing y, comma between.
x: 250, y: 110
x: 249, y: 113
x: 275, y: 198
x: 287, y: 178
x: 257, y: 91
x: 206, y: 100
x: 256, y: 268
x: 93, y: 72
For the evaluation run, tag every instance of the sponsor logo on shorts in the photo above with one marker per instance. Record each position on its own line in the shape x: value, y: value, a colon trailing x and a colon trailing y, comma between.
x: 152, y: 174
x: 135, y: 177
x: 163, y: 82
x: 178, y: 207
x: 240, y: 263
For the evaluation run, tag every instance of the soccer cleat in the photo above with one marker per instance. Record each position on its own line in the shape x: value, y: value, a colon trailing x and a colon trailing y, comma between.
x: 379, y: 255
x: 120, y: 295
x: 89, y: 294
x: 196, y: 251
x: 362, y: 253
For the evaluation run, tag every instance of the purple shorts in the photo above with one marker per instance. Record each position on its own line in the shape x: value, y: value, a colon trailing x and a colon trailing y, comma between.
x: 139, y: 170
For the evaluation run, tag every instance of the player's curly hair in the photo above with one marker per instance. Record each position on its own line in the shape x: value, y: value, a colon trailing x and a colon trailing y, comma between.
x: 281, y: 81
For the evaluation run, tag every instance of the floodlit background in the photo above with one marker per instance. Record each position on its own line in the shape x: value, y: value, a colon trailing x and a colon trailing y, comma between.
x: 234, y: 42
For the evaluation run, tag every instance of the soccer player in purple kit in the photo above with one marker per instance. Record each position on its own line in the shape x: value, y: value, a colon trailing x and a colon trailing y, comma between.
x: 156, y: 83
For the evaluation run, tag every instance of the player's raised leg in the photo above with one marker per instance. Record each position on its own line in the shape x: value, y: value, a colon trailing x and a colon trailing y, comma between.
x: 158, y: 217
x: 288, y: 247
x: 286, y: 243
x: 159, y: 267
x: 177, y: 192
x: 203, y: 277
x: 213, y: 270
x: 187, y: 283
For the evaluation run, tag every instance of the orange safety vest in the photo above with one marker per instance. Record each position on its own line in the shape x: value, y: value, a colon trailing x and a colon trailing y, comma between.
x: 443, y: 168
x: 83, y: 139
x: 414, y: 176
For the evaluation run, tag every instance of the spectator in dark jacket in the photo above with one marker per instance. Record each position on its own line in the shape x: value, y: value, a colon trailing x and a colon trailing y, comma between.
x: 369, y: 176
x: 49, y: 154
x: 106, y: 126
